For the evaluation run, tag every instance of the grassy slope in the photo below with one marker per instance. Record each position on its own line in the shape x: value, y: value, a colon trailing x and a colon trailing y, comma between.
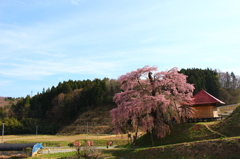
x: 231, y: 125
x: 229, y: 108
x: 95, y: 121
x: 211, y: 149
x: 7, y: 103
x: 215, y: 147
x: 187, y: 132
x: 3, y: 102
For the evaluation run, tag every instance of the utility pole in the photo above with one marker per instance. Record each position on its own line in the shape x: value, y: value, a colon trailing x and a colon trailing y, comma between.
x: 36, y: 131
x: 2, y: 131
x: 87, y: 128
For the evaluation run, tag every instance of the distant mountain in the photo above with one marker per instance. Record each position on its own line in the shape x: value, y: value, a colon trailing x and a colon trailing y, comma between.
x: 7, y: 102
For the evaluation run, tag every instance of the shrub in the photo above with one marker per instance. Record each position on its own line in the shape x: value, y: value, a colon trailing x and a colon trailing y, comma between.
x: 89, y: 152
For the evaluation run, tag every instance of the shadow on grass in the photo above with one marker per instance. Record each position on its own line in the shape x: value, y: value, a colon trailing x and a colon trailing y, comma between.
x: 209, y: 149
x: 119, y: 153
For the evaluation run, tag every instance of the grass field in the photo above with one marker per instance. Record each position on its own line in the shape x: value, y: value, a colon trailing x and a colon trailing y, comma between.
x: 62, y: 142
x: 63, y: 138
x: 56, y: 140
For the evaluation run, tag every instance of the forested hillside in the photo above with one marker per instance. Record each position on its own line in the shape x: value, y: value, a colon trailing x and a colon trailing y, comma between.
x: 203, y: 79
x: 57, y: 107
x: 229, y: 87
x: 223, y: 85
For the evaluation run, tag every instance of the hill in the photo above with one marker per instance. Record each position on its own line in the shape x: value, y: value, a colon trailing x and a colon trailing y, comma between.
x: 3, y: 102
x: 63, y: 108
x: 209, y: 149
x: 95, y: 121
x: 189, y: 132
x: 6, y: 102
x: 231, y: 125
x: 227, y: 110
x: 180, y: 133
x: 191, y: 140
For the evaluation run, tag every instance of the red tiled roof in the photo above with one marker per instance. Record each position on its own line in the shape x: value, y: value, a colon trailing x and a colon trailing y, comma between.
x: 204, y: 97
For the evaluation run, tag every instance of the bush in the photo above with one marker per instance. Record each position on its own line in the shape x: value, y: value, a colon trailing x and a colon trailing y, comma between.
x: 89, y: 152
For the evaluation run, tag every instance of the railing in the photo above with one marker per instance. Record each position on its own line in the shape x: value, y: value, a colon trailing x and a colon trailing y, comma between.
x: 194, y: 120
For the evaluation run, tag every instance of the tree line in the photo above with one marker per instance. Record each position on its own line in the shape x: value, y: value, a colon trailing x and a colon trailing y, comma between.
x: 223, y: 85
x: 59, y: 105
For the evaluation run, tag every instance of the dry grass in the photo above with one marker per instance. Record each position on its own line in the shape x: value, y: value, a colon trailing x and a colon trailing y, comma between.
x: 227, y: 109
x: 3, y: 102
x: 7, y: 103
x: 63, y: 138
x: 94, y: 121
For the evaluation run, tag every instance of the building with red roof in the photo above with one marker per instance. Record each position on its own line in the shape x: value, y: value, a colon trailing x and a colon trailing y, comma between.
x: 205, y: 105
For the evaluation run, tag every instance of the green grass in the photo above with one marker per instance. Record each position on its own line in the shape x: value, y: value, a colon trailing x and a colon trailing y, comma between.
x: 209, y: 149
x: 180, y: 133
x: 227, y: 108
x: 44, y: 143
x: 56, y: 155
x: 86, y: 152
x: 97, y: 142
x: 229, y: 126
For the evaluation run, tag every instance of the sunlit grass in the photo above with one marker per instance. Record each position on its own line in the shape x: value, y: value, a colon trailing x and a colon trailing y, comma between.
x: 55, y: 155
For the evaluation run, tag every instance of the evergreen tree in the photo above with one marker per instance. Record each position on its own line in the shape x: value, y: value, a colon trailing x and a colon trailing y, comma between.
x: 62, y: 104
x: 203, y: 79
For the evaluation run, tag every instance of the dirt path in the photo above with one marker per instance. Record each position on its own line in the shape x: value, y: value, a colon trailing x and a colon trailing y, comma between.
x: 214, y: 131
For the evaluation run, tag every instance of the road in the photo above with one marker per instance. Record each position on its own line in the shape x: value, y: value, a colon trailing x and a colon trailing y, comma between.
x: 47, y: 150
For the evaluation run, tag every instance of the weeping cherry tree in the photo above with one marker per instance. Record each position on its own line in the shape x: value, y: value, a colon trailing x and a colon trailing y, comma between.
x: 151, y: 100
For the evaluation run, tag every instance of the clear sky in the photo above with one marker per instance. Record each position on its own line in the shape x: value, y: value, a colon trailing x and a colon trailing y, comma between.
x: 44, y: 42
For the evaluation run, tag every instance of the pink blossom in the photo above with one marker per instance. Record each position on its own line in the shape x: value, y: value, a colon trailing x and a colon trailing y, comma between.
x: 151, y: 99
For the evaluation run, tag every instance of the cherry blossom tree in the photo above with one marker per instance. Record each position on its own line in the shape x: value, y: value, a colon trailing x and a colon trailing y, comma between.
x: 151, y: 99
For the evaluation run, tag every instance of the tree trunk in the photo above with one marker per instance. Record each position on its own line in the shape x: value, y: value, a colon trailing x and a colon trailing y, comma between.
x: 136, y: 134
x: 152, y: 138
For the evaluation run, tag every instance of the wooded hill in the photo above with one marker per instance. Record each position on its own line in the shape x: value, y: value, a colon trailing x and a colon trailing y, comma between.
x: 56, y: 108
x: 59, y: 106
x: 223, y: 85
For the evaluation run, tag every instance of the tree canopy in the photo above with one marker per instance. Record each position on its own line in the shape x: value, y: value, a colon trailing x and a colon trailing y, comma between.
x: 223, y: 85
x: 206, y: 79
x: 229, y: 87
x: 58, y: 106
x: 151, y: 99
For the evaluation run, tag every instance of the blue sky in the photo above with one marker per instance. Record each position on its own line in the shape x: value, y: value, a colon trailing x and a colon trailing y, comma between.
x: 44, y: 42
